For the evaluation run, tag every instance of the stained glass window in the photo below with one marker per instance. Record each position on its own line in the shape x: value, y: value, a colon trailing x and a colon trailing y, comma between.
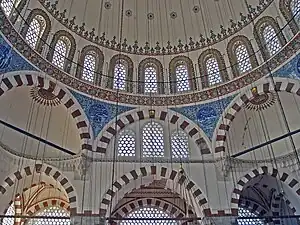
x: 246, y: 213
x: 60, y: 52
x: 213, y: 71
x: 148, y: 213
x: 295, y: 8
x: 271, y: 40
x: 179, y: 144
x: 150, y: 80
x: 52, y: 211
x: 243, y: 59
x: 120, y: 73
x: 153, y: 140
x: 126, y: 143
x: 182, y: 78
x: 35, y: 30
x: 10, y: 212
x: 89, y: 67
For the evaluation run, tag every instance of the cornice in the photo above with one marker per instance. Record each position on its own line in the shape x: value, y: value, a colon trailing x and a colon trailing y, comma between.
x: 146, y: 49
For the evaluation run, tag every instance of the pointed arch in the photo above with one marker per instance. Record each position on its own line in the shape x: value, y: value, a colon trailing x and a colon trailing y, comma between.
x: 286, y: 11
x: 45, y: 34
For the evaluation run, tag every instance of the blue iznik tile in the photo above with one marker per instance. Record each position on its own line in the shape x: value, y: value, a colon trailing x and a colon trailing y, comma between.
x: 99, y: 113
x: 206, y: 115
x: 290, y: 70
x: 10, y: 60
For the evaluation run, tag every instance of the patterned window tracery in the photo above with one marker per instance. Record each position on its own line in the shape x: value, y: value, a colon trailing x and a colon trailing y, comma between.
x: 182, y: 78
x: 10, y: 212
x: 126, y: 143
x: 89, y: 67
x: 271, y: 40
x: 295, y: 8
x: 8, y: 5
x: 120, y: 74
x: 246, y: 213
x: 179, y: 145
x: 243, y: 58
x: 35, y: 30
x: 60, y: 52
x: 153, y: 140
x: 149, y: 213
x: 52, y: 211
x: 213, y: 71
x: 150, y: 80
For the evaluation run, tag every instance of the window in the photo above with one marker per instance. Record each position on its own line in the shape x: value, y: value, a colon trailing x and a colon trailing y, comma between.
x: 182, y: 75
x: 153, y: 140
x: 126, y: 143
x: 52, y: 211
x: 243, y: 58
x: 8, y: 5
x: 179, y: 144
x: 35, y: 31
x: 213, y: 71
x: 271, y: 40
x: 150, y: 80
x: 149, y: 213
x: 60, y: 52
x: 120, y: 73
x: 295, y: 8
x: 89, y: 67
x: 246, y: 213
x: 10, y: 212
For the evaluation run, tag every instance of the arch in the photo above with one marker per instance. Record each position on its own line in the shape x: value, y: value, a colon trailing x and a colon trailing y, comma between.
x: 204, y: 56
x: 15, y: 12
x: 231, y: 48
x: 285, y: 9
x: 284, y: 177
x: 191, y: 72
x: 129, y: 78
x: 43, y: 39
x: 164, y: 172
x: 259, y: 27
x: 97, y: 53
x: 159, y: 74
x: 114, y: 127
x: 68, y: 60
x: 49, y: 171
x: 30, y: 78
x: 223, y: 127
x: 48, y: 203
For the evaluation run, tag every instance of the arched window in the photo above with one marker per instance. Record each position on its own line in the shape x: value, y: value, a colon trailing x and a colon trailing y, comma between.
x: 182, y: 75
x: 150, y: 80
x: 246, y: 213
x: 90, y: 64
x: 120, y: 74
x: 295, y: 9
x: 9, y: 212
x: 35, y: 30
x: 149, y: 213
x: 212, y: 68
x: 52, y: 211
x: 62, y: 49
x: 271, y: 41
x: 9, y: 5
x: 179, y: 145
x: 268, y: 36
x: 126, y: 143
x: 153, y: 140
x: 241, y: 55
x: 150, y: 76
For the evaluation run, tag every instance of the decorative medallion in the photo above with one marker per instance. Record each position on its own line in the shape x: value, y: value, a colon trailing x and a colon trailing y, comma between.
x: 261, y: 102
x: 128, y: 13
x: 150, y: 16
x: 196, y: 9
x: 43, y: 96
x: 107, y: 5
x: 173, y: 15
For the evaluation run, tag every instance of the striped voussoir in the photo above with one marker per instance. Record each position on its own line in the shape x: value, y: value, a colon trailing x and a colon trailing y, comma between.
x: 174, y: 118
x: 170, y: 208
x: 281, y: 84
x: 284, y: 177
x: 18, y: 210
x: 13, y: 80
x: 28, y: 171
x: 253, y: 207
x: 160, y: 172
x: 46, y: 204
